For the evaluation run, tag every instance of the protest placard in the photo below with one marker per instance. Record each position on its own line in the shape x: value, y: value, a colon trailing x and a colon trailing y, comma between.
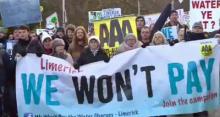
x: 111, y: 13
x: 94, y: 15
x: 206, y: 11
x: 52, y: 20
x: 170, y: 32
x: 20, y: 12
x: 111, y: 32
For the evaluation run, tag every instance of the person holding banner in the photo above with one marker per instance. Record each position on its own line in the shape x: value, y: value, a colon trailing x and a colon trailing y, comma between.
x: 92, y: 53
x: 130, y: 43
x: 19, y: 51
x: 159, y: 39
x: 46, y: 40
x: 79, y: 42
x: 58, y: 46
x: 21, y: 45
x: 197, y: 32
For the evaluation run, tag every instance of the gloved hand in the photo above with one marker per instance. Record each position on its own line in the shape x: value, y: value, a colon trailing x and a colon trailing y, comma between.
x: 173, y: 42
x: 76, y: 66
x: 107, y: 60
x: 23, y: 53
x: 39, y: 54
x: 143, y: 46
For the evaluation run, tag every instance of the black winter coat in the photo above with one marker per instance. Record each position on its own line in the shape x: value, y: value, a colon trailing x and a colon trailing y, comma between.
x: 6, y: 68
x: 20, y: 47
x: 87, y: 57
x: 190, y: 36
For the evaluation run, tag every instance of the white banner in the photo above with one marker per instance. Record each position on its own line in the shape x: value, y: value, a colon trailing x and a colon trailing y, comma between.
x: 206, y: 11
x: 157, y: 80
x: 111, y: 13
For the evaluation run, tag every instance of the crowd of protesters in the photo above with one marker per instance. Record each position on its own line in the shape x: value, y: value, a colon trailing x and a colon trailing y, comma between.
x: 73, y: 45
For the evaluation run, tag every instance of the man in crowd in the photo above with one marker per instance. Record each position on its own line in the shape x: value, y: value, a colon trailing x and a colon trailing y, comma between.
x: 140, y: 22
x: 197, y: 33
x: 22, y: 42
x: 174, y: 20
x: 145, y: 36
x: 18, y: 51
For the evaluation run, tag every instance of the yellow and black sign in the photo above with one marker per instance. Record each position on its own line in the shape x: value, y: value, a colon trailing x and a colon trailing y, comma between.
x: 206, y: 50
x: 111, y: 32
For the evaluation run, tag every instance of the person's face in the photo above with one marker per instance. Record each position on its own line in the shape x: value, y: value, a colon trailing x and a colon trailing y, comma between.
x: 2, y: 35
x: 70, y: 34
x: 80, y: 34
x: 131, y: 41
x: 16, y: 34
x: 145, y: 34
x: 60, y: 34
x: 197, y: 30
x: 11, y: 36
x: 159, y: 39
x: 140, y: 23
x: 60, y: 50
x: 33, y: 36
x: 23, y: 34
x: 174, y: 17
x: 93, y: 44
x: 47, y: 43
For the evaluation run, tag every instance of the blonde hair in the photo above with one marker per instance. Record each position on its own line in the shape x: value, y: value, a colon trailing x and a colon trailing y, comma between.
x: 158, y: 33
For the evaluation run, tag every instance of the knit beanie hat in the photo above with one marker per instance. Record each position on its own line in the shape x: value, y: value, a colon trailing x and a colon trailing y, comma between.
x: 57, y: 42
x: 197, y: 24
x: 95, y: 38
x: 44, y: 36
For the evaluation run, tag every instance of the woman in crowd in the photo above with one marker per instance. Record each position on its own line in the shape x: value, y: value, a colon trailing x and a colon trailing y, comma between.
x: 159, y: 39
x: 93, y: 52
x: 58, y: 46
x: 46, y: 42
x: 130, y: 43
x: 70, y: 32
x: 79, y: 42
